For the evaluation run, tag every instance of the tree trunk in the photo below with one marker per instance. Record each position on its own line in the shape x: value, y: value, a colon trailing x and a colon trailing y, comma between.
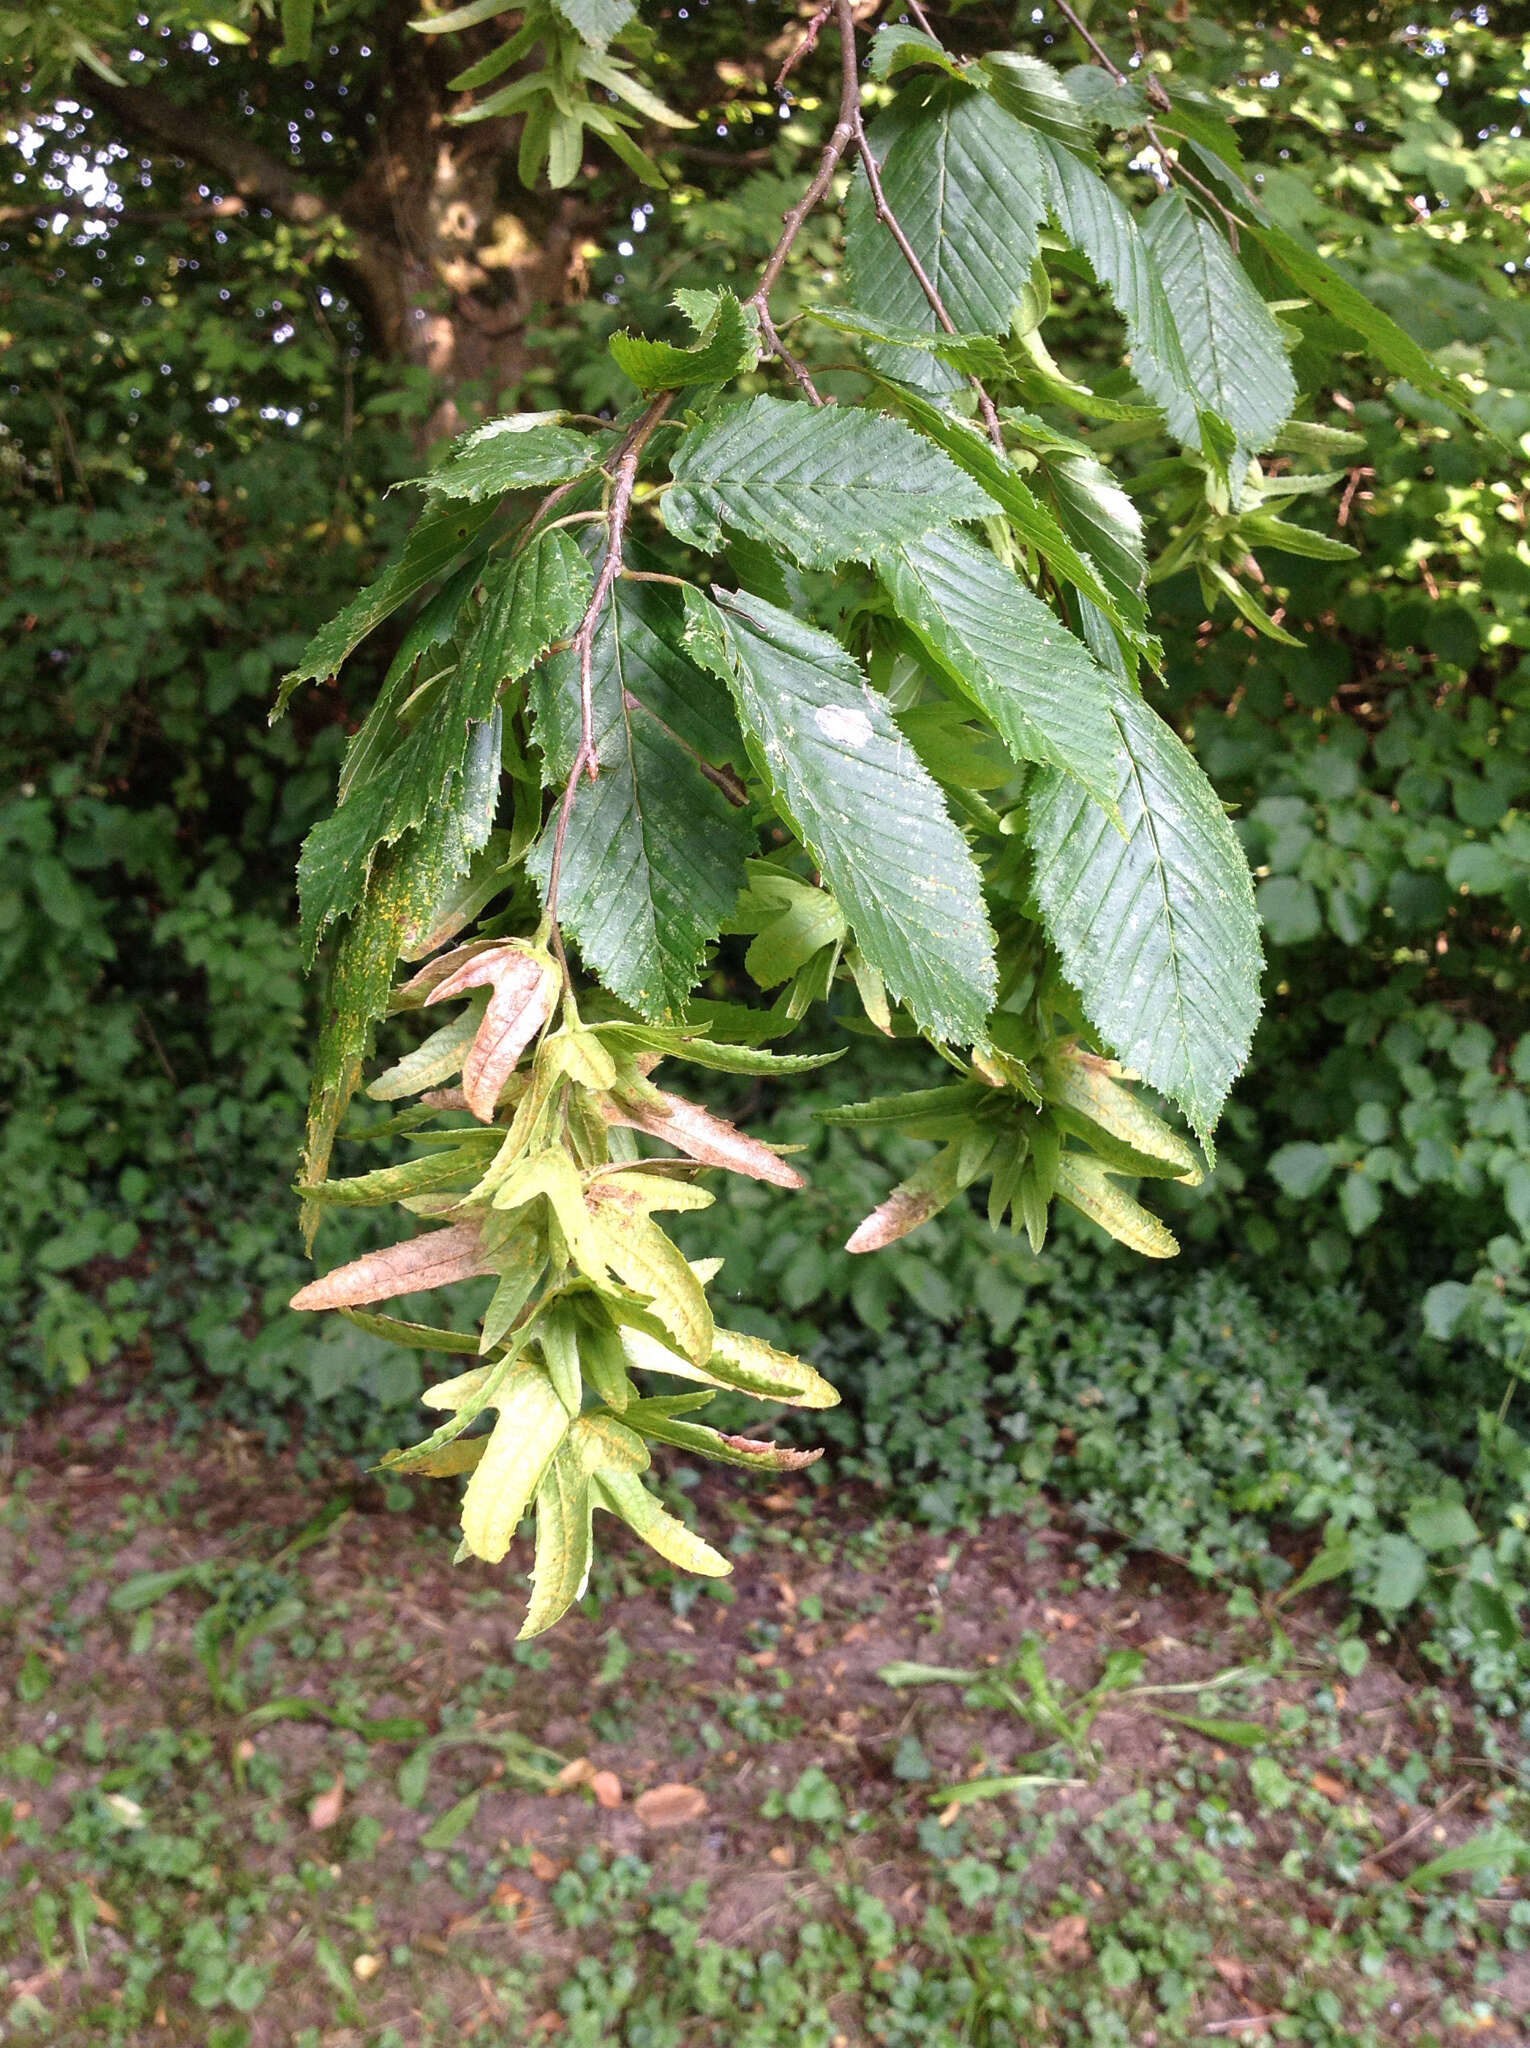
x: 447, y: 256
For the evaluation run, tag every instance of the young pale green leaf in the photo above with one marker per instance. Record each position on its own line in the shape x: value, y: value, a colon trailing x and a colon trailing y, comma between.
x: 596, y: 21
x: 1237, y: 359
x: 468, y: 16
x: 625, y: 1495
x: 864, y: 807
x: 717, y: 1053
x: 532, y: 1422
x: 515, y: 454
x: 747, y: 1365
x: 1086, y: 1098
x: 1033, y: 522
x: 413, y: 1336
x: 564, y: 1546
x: 1011, y: 655
x: 824, y: 486
x: 1156, y: 931
x: 728, y: 345
x: 658, y: 1422
x: 1388, y: 342
x: 964, y: 180
x: 438, y: 539
x: 1262, y: 529
x: 433, y: 1062
x: 653, y: 858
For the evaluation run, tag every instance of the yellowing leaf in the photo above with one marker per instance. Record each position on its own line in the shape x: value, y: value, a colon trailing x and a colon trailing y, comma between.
x: 1086, y: 1185
x: 624, y: 1494
x: 532, y: 1423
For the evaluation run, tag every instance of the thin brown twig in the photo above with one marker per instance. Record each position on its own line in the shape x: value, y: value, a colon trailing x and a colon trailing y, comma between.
x: 1174, y: 166
x: 792, y: 223
x: 922, y: 19
x: 906, y: 248
x: 806, y: 46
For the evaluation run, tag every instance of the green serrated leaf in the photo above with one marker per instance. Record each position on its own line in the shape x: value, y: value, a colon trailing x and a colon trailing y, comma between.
x: 897, y: 47
x: 438, y: 539
x: 442, y: 778
x: 965, y: 182
x: 977, y: 355
x: 873, y: 820
x: 1009, y: 654
x: 1033, y: 522
x: 653, y: 858
x: 1156, y: 931
x: 823, y: 485
x: 1036, y: 95
x: 1104, y: 230
x: 514, y: 454
x: 1237, y: 361
x: 1388, y: 342
x: 729, y: 344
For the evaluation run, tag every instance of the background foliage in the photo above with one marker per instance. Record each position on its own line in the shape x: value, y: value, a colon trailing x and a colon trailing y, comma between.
x: 206, y: 398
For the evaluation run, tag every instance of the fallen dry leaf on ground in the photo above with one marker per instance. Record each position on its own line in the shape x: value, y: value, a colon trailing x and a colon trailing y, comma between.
x: 324, y: 1811
x: 670, y: 1806
x: 607, y: 1787
x: 1067, y: 1939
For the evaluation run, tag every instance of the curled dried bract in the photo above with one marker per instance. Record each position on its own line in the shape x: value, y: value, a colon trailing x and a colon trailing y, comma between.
x: 525, y: 983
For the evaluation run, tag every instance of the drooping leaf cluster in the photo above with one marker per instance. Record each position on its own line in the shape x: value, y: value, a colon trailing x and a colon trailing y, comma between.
x: 868, y: 683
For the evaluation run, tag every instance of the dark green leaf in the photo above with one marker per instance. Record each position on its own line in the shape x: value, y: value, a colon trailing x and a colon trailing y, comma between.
x: 825, y: 486
x: 1010, y: 654
x: 966, y: 184
x: 728, y: 345
x: 1156, y: 931
x: 1034, y: 93
x: 439, y: 537
x: 1237, y: 360
x: 866, y: 810
x: 1036, y: 526
x: 443, y: 777
x: 653, y: 859
x: 1388, y: 342
x: 514, y: 454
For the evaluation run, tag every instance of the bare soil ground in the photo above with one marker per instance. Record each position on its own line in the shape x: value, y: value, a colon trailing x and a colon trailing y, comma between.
x: 744, y: 1832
